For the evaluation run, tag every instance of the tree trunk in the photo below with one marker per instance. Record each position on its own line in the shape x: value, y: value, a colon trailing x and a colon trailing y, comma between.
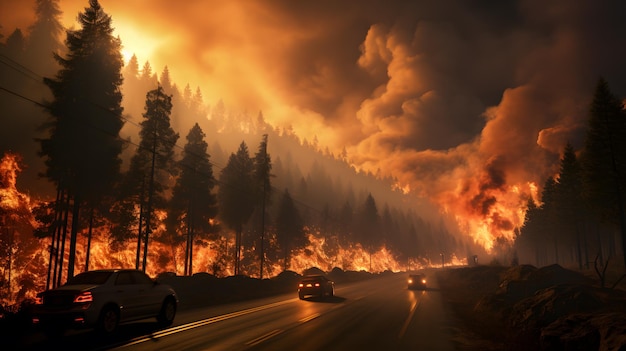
x: 90, y: 233
x: 73, y: 237
x: 53, y: 248
x: 66, y: 210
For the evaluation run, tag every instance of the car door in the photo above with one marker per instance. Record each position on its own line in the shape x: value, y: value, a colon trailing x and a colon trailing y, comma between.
x: 148, y: 293
x: 127, y: 295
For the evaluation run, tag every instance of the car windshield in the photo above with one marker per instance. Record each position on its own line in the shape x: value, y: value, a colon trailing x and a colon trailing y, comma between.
x: 90, y: 278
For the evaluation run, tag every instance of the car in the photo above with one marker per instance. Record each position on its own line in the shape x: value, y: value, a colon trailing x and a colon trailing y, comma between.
x: 315, y: 285
x: 417, y: 281
x: 103, y: 299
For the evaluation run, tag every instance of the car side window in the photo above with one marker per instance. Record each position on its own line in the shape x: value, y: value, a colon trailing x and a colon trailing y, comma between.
x: 141, y: 278
x: 123, y: 278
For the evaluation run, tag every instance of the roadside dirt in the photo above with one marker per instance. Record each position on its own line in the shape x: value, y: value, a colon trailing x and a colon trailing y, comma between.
x: 529, y: 308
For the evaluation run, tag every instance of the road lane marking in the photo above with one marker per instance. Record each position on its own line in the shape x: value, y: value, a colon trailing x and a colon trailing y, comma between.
x: 204, y: 322
x: 306, y: 319
x: 264, y: 337
x: 408, y: 319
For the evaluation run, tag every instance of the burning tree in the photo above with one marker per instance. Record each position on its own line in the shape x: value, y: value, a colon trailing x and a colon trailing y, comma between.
x: 289, y: 228
x: 152, y: 167
x: 193, y: 204
x: 237, y: 195
x: 82, y: 152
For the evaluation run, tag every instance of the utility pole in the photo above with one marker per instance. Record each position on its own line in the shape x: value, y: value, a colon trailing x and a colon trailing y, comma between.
x: 263, y: 202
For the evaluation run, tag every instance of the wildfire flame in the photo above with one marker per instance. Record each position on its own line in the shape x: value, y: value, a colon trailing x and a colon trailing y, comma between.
x: 10, y: 198
x: 213, y: 256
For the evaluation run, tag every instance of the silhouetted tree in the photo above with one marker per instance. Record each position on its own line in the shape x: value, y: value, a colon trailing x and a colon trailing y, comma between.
x: 368, y: 225
x: 549, y: 217
x: 569, y: 209
x: 83, y: 149
x: 193, y: 204
x: 45, y: 37
x: 604, y: 158
x: 237, y: 195
x: 289, y: 228
x: 262, y: 175
x: 152, y: 166
x: 530, y: 240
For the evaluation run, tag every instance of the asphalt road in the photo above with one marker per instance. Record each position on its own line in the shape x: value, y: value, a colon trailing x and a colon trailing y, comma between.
x: 377, y: 314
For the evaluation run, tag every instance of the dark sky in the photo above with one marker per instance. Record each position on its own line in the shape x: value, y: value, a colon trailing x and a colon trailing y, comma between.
x: 466, y: 102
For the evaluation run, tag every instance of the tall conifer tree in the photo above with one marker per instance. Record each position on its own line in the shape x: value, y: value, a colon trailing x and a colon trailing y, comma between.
x: 237, y: 195
x: 193, y: 203
x: 83, y: 148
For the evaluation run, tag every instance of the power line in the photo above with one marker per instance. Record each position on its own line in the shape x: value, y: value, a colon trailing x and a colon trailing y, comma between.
x: 38, y: 78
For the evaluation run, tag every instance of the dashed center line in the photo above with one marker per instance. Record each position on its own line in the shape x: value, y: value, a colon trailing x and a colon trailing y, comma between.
x: 306, y: 319
x: 264, y: 337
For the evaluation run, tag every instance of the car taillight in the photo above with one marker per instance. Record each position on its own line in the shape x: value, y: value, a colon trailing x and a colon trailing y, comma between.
x: 83, y: 297
x: 423, y: 281
x: 317, y: 284
x: 300, y: 285
x: 410, y: 281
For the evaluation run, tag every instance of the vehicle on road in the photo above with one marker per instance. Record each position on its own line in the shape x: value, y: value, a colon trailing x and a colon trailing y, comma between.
x: 103, y: 299
x: 417, y: 281
x: 315, y: 285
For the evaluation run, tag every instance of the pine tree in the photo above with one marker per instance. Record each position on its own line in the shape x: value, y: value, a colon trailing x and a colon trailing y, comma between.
x: 45, y: 37
x: 604, y: 158
x: 549, y: 217
x: 237, y: 195
x: 153, y: 165
x: 193, y: 204
x: 262, y: 169
x: 289, y: 228
x: 569, y: 201
x: 530, y: 238
x: 83, y: 149
x: 369, y: 227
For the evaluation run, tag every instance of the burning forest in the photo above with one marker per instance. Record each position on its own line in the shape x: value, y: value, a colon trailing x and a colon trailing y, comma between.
x: 397, y: 151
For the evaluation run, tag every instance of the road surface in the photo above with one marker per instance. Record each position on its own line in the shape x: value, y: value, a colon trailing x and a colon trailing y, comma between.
x: 376, y: 314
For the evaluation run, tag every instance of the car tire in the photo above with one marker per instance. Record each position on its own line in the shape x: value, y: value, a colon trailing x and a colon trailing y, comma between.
x: 301, y: 296
x: 167, y: 313
x: 109, y: 320
x: 332, y: 292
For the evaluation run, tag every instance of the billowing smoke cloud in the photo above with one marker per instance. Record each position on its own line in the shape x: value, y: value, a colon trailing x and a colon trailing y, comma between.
x: 466, y: 102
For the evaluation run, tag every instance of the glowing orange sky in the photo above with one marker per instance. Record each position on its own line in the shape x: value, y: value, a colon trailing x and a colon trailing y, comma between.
x: 466, y: 104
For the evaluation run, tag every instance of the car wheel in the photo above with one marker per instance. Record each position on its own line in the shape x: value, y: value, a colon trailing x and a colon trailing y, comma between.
x: 168, y: 312
x: 301, y: 296
x: 332, y: 292
x: 109, y: 320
